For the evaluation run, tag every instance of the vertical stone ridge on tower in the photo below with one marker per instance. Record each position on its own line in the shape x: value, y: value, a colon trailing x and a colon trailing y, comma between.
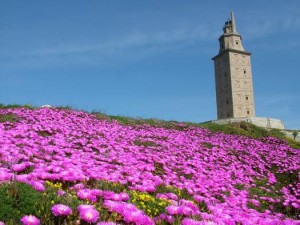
x: 233, y: 75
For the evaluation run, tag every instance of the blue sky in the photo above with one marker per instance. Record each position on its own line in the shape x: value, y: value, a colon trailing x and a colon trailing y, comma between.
x: 149, y: 59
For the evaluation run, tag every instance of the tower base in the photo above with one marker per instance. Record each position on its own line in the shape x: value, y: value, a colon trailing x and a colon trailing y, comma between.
x: 268, y: 123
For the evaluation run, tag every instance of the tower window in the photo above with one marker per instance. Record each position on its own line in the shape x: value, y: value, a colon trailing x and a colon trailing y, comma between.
x: 237, y: 42
x: 247, y: 98
x: 245, y: 71
x: 227, y: 102
x: 248, y: 112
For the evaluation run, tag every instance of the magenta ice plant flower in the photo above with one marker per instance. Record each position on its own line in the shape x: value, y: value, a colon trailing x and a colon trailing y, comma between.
x: 77, y: 186
x: 84, y: 207
x: 61, y: 210
x: 38, y: 186
x: 60, y: 192
x: 87, y: 194
x: 172, y: 209
x: 106, y: 223
x: 165, y: 217
x: 81, y: 148
x: 123, y: 196
x: 30, y: 220
x: 188, y: 221
x: 137, y: 217
x: 88, y: 213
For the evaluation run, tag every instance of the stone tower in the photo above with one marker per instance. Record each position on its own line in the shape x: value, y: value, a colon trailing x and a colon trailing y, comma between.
x: 233, y: 76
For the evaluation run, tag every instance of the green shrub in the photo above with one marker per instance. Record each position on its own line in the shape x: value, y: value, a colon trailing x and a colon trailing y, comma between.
x: 159, y: 169
x: 110, y: 186
x: 18, y: 199
x: 15, y: 106
x: 144, y: 143
x: 149, y: 204
x: 44, y: 133
x: 207, y: 145
x: 64, y: 107
x: 283, y: 179
x: 239, y: 186
x: 9, y: 117
x: 241, y: 128
x: 249, y: 130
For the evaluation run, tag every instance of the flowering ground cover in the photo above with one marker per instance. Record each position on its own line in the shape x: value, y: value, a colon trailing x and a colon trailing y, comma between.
x: 68, y: 167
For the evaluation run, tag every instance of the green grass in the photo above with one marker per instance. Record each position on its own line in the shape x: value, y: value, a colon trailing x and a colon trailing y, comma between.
x: 249, y: 130
x: 64, y: 107
x: 260, y: 190
x: 129, y: 121
x: 9, y: 117
x: 14, y: 106
x: 241, y: 128
x: 145, y: 143
x: 18, y: 199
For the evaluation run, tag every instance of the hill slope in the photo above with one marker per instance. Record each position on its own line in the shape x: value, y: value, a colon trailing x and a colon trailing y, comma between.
x: 180, y: 174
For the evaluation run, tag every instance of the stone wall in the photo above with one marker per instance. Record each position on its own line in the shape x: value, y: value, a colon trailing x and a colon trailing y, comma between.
x: 289, y: 133
x: 264, y: 122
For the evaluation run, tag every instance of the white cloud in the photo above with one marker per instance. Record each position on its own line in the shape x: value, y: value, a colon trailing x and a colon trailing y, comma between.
x: 132, y: 46
x: 269, y: 24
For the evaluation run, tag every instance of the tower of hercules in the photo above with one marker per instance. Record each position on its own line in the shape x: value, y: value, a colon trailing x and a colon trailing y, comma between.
x: 233, y: 76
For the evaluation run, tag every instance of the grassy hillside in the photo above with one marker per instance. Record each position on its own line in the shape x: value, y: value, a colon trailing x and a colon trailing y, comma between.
x: 67, y: 167
x: 241, y: 128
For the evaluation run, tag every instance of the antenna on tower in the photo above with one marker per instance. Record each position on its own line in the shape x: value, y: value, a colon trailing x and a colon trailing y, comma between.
x: 233, y: 23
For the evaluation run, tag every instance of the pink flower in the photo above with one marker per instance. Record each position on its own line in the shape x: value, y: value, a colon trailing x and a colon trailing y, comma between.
x: 84, y: 207
x: 38, y: 186
x: 106, y: 223
x: 295, y: 205
x: 87, y: 194
x: 60, y: 192
x: 137, y: 217
x: 30, y: 220
x: 61, y: 210
x: 165, y: 217
x: 187, y: 221
x: 88, y: 213
x: 172, y: 209
x: 123, y: 196
x: 96, y: 192
x: 18, y: 167
x: 172, y: 196
x: 184, y: 210
x: 77, y: 186
x: 1, y: 223
x: 5, y: 175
